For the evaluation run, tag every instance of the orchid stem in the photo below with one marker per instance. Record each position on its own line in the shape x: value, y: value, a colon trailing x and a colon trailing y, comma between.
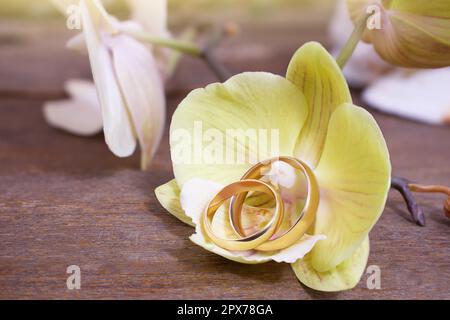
x: 175, y: 57
x: 222, y: 73
x: 352, y: 42
x: 186, y: 47
x: 434, y: 189
x: 178, y: 45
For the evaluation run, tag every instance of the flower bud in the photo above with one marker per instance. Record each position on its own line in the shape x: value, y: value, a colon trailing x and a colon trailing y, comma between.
x: 409, y: 33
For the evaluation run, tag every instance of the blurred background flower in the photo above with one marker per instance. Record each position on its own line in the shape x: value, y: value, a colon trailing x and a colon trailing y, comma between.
x: 383, y: 86
x: 407, y: 33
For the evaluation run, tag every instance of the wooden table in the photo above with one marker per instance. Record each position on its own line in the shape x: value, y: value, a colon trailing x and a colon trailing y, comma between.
x: 67, y: 200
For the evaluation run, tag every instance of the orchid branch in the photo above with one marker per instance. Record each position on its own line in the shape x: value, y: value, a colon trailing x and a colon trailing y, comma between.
x: 185, y: 46
x: 187, y: 36
x: 416, y: 211
x: 352, y: 42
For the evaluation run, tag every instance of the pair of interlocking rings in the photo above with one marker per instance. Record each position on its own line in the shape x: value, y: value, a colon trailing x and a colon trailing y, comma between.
x: 262, y: 240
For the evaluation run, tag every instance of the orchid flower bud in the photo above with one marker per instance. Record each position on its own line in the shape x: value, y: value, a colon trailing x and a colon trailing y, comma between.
x: 407, y: 33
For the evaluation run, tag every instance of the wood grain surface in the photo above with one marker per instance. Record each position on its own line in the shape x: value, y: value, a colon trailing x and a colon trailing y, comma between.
x: 67, y: 200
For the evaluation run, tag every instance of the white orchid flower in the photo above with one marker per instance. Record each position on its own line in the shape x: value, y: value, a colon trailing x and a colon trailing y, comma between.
x: 128, y: 81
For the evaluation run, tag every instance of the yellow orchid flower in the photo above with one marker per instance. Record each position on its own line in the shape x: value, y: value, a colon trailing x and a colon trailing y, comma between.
x: 411, y: 33
x: 312, y: 113
x: 128, y: 80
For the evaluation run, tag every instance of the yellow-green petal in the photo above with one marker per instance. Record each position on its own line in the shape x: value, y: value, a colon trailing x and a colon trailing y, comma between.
x: 434, y: 8
x: 345, y: 276
x: 254, y: 104
x: 415, y: 41
x: 314, y: 71
x: 354, y: 179
x: 168, y: 196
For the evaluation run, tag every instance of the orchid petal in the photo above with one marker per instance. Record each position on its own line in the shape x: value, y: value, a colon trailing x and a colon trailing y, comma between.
x: 80, y: 115
x: 77, y: 43
x: 194, y: 199
x: 73, y: 116
x: 168, y: 195
x: 143, y: 90
x: 118, y: 130
x: 252, y: 105
x: 314, y: 71
x: 354, y: 179
x: 413, y: 41
x: 195, y: 196
x: 83, y: 91
x: 151, y: 15
x: 345, y: 276
x: 418, y: 95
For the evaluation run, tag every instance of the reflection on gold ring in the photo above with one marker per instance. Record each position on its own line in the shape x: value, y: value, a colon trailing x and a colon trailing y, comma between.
x: 236, y: 188
x: 306, y: 217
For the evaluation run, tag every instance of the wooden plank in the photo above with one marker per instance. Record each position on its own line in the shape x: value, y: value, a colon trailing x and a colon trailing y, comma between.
x: 66, y: 200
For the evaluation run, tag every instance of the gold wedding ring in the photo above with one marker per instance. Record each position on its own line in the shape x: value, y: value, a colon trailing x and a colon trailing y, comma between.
x: 306, y: 218
x: 238, y: 188
x: 262, y: 240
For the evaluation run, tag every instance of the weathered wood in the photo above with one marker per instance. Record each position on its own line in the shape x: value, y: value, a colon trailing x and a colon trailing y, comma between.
x: 67, y: 200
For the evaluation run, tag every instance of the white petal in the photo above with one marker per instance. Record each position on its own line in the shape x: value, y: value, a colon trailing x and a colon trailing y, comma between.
x: 421, y: 95
x: 143, y: 90
x: 117, y: 127
x: 288, y: 255
x: 74, y: 116
x: 129, y: 26
x: 82, y: 90
x: 77, y: 43
x: 297, y: 250
x: 80, y: 115
x: 194, y: 198
x: 152, y: 15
